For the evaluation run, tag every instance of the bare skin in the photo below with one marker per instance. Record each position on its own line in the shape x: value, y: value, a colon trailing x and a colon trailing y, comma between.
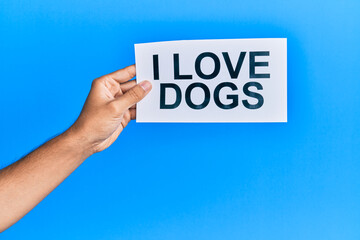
x: 110, y: 106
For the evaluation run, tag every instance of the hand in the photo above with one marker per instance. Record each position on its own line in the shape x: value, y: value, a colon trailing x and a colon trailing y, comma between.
x: 107, y: 110
x: 110, y: 106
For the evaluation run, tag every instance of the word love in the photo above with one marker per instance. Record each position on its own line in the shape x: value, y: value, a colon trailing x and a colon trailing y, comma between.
x: 232, y: 69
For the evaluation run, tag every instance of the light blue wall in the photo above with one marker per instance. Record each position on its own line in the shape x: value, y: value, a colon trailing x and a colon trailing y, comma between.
x: 299, y: 180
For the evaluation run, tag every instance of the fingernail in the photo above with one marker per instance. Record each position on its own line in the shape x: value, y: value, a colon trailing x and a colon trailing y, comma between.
x: 146, y: 85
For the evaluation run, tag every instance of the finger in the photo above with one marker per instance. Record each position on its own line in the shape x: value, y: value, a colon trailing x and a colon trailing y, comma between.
x: 126, y: 119
x: 133, y: 95
x: 132, y: 113
x: 124, y: 74
x: 127, y: 85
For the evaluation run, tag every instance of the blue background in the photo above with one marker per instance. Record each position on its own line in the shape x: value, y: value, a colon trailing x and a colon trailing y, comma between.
x: 295, y: 180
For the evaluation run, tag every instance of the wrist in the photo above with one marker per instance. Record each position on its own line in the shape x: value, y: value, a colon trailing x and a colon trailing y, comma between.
x: 78, y: 142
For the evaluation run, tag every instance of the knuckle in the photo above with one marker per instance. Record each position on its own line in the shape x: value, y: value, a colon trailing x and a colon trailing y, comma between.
x: 135, y: 94
x: 96, y: 81
x: 131, y: 72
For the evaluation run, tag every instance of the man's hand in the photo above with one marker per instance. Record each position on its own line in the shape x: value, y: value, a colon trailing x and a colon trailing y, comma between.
x: 108, y: 109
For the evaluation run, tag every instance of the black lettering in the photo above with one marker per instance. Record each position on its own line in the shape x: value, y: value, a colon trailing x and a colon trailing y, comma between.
x: 198, y: 65
x: 163, y: 104
x: 177, y: 69
x: 156, y: 67
x: 234, y: 73
x: 254, y: 64
x: 206, y: 98
x: 234, y: 98
x: 253, y: 94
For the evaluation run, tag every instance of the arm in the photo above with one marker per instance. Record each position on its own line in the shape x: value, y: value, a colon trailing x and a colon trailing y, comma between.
x: 107, y: 110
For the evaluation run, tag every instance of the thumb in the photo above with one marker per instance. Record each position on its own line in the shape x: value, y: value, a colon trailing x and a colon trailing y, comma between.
x: 134, y: 95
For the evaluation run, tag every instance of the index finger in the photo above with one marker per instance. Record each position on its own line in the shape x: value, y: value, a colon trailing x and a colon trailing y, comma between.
x: 124, y: 75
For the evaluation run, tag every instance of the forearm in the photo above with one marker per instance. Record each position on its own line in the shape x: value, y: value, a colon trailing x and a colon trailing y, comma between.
x: 28, y: 181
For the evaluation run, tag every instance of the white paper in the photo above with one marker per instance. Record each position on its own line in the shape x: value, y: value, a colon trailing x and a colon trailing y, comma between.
x: 271, y: 52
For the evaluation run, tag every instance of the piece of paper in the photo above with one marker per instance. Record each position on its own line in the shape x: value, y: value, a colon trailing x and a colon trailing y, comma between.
x: 228, y: 80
